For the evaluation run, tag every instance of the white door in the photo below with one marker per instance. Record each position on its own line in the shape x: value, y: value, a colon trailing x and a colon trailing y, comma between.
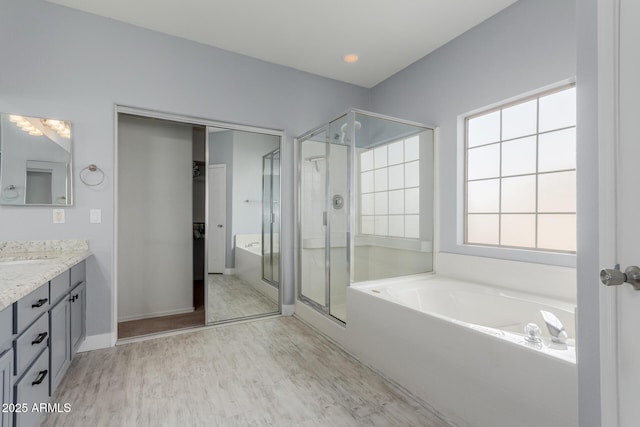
x: 217, y: 232
x: 625, y: 309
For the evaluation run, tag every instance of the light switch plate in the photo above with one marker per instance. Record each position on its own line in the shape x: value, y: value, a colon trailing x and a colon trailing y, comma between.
x: 95, y: 216
x: 58, y: 216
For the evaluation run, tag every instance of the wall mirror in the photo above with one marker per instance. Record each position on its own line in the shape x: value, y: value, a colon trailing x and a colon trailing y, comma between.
x: 243, y: 231
x: 35, y: 161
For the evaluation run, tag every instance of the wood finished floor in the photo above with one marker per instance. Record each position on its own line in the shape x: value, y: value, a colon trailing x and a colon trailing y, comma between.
x: 135, y: 328
x: 270, y: 372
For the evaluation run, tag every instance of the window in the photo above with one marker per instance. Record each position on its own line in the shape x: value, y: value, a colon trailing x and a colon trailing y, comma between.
x: 520, y: 186
x: 390, y: 189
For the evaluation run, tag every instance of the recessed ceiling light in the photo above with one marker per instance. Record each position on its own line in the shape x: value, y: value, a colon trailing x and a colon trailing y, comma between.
x: 351, y: 58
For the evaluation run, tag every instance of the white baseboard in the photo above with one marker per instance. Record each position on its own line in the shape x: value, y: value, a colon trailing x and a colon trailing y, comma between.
x: 229, y: 271
x: 156, y: 314
x: 288, y: 310
x: 96, y: 342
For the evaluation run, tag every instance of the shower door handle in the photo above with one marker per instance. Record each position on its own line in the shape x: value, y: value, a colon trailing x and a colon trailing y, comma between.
x: 324, y: 218
x: 219, y: 225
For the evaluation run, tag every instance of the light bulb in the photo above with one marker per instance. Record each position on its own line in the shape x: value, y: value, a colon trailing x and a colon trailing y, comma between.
x: 28, y: 128
x: 23, y: 123
x: 36, y: 132
x: 15, y: 119
x: 350, y: 58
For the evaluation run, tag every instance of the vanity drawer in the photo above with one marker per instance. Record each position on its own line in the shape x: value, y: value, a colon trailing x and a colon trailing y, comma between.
x: 31, y: 342
x: 30, y: 307
x: 32, y: 388
x: 78, y: 274
x: 59, y: 286
x: 6, y: 328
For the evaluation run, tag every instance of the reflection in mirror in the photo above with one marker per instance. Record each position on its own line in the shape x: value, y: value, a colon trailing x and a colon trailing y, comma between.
x: 241, y: 238
x: 271, y: 217
x: 35, y: 162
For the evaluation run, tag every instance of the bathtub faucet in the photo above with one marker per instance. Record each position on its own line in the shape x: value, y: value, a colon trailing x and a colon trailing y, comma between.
x: 555, y: 327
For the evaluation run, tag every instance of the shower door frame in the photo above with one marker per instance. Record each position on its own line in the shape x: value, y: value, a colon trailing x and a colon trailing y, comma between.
x: 326, y: 128
x: 327, y: 267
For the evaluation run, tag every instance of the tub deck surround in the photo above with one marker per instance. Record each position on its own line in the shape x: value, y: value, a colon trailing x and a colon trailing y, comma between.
x: 25, y: 266
x: 457, y: 346
x: 498, y: 312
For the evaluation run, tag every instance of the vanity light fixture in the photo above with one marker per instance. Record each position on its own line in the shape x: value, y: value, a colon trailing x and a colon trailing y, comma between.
x: 59, y: 126
x: 350, y: 58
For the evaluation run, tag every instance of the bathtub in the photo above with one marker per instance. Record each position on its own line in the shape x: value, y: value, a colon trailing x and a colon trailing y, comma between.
x: 460, y: 348
x: 248, y: 266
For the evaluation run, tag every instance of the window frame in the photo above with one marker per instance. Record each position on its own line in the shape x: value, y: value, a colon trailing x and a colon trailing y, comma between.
x: 465, y: 119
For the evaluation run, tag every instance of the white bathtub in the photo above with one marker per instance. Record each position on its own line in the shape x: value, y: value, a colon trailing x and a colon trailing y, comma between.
x: 460, y: 348
x: 248, y: 266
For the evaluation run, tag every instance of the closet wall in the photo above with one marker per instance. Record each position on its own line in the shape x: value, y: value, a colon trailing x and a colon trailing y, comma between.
x: 155, y: 215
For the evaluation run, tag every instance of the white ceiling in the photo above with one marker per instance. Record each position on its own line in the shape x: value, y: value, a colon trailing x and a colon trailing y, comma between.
x: 310, y: 35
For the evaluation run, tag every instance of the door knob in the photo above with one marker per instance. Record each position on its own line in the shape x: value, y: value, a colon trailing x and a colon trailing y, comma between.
x: 219, y: 225
x: 615, y: 277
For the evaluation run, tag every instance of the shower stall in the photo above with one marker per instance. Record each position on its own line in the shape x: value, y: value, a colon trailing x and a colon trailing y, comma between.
x: 365, y: 205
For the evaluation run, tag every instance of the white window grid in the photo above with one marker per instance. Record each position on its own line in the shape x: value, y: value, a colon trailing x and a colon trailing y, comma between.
x: 390, y: 189
x: 500, y: 177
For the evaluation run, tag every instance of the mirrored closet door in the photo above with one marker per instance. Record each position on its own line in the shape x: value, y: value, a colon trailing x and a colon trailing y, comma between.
x: 243, y: 223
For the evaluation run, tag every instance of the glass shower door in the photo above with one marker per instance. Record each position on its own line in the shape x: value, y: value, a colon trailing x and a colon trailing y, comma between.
x: 324, y: 199
x: 338, y: 218
x: 314, y: 257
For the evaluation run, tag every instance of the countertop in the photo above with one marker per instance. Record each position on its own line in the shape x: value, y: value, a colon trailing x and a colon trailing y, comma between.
x: 25, y: 266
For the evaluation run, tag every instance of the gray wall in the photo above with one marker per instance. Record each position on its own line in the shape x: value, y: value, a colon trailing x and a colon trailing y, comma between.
x: 155, y: 246
x: 529, y: 45
x: 99, y: 62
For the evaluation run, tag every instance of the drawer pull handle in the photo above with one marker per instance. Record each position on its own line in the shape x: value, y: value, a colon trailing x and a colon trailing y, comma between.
x: 40, y: 303
x: 41, y: 376
x: 41, y: 336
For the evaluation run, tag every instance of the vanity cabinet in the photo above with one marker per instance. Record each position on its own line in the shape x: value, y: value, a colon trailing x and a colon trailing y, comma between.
x: 6, y: 375
x: 6, y: 363
x: 78, y: 301
x: 67, y: 323
x: 46, y: 328
x: 60, y: 344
